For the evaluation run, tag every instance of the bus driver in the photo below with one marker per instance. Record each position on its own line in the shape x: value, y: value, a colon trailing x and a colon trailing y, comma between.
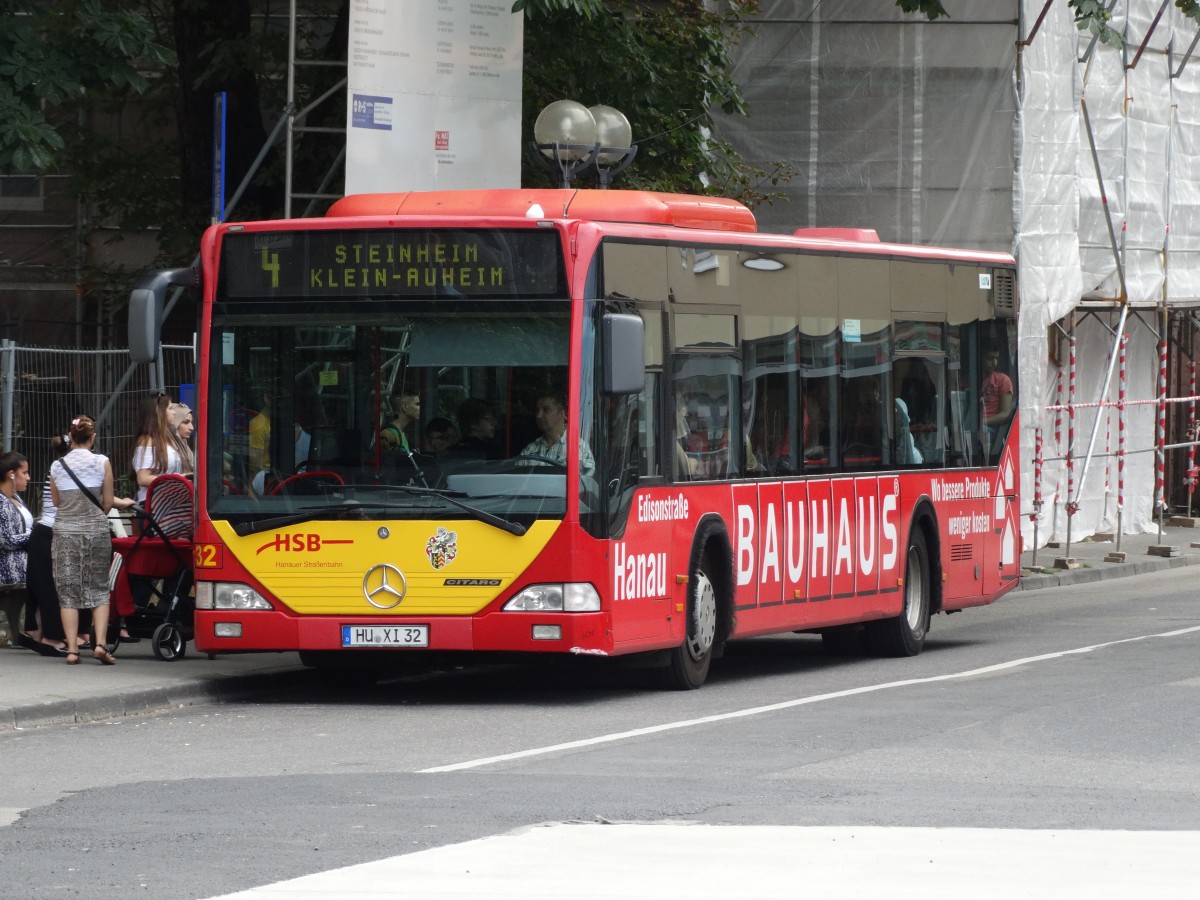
x: 551, y: 417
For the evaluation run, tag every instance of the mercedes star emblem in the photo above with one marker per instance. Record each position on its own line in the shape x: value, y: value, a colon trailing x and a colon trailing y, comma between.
x: 384, y: 586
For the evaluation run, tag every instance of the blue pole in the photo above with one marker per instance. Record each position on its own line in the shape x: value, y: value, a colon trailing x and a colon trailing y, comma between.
x: 218, y: 182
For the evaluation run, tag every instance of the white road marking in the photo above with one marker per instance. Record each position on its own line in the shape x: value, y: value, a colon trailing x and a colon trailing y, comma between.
x: 788, y: 704
x: 633, y: 861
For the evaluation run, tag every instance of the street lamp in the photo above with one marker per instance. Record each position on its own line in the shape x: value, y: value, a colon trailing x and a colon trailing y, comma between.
x: 570, y: 139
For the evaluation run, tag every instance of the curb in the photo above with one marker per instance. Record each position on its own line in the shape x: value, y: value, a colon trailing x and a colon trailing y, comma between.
x: 196, y: 692
x: 1109, y: 572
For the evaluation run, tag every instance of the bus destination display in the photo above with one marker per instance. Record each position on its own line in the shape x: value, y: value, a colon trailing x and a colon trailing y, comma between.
x: 392, y: 263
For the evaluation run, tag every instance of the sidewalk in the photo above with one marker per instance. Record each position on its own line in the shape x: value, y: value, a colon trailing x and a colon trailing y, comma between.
x: 1090, y: 555
x: 37, y: 690
x: 40, y: 690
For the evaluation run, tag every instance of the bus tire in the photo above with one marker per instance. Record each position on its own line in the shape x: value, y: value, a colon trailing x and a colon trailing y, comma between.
x: 904, y: 635
x: 687, y: 666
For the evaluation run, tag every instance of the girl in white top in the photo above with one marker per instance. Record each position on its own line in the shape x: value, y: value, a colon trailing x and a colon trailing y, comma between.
x: 154, y: 453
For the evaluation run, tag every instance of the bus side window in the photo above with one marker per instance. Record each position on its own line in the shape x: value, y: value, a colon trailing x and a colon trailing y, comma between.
x: 997, y: 390
x: 684, y: 466
x: 864, y: 418
x: 919, y: 432
x: 960, y: 417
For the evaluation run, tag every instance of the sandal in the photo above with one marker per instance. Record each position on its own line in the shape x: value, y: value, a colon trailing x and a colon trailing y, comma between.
x: 72, y: 659
x: 104, y: 656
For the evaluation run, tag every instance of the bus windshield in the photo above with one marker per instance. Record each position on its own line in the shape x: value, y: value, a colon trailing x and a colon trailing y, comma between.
x: 388, y: 408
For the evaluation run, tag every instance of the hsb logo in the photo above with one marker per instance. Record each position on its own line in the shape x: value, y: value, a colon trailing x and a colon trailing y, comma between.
x: 297, y: 543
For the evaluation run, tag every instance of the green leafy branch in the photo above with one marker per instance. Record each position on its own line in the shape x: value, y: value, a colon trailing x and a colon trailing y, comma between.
x: 53, y: 55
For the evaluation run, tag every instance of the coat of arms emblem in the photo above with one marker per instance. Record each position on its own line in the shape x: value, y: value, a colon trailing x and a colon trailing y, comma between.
x: 441, y: 548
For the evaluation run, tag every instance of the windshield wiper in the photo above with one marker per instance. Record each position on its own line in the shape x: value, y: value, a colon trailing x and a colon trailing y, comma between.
x: 349, y: 508
x: 482, y: 515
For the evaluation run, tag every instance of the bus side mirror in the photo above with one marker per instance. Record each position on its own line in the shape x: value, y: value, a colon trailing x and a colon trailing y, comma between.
x: 622, y: 337
x: 146, y: 303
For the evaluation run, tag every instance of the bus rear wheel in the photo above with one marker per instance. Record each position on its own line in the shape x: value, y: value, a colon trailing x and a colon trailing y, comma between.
x: 904, y: 635
x: 687, y: 668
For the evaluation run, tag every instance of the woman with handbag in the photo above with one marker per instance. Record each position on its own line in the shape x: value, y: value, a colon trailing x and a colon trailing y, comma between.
x: 16, y: 522
x: 81, y: 486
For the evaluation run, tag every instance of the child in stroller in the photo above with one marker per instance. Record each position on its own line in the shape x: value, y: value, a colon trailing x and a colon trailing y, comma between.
x: 150, y: 582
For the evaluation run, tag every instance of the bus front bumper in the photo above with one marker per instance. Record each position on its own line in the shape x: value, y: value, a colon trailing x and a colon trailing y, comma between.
x: 229, y: 631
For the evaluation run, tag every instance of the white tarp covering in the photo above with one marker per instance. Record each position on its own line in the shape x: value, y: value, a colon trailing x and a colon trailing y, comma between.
x: 960, y: 133
x: 433, y: 95
x: 1183, y: 177
x: 890, y: 122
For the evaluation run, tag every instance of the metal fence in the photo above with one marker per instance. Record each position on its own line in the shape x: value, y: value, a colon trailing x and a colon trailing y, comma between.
x: 43, y: 388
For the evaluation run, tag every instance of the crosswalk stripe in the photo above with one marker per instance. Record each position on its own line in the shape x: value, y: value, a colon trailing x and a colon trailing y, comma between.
x: 703, y: 862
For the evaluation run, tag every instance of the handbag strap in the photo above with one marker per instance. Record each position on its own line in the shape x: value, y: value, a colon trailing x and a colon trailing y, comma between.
x: 83, y: 487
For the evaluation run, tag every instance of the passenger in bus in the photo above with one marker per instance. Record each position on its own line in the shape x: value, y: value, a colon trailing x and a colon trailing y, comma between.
x: 686, y: 466
x: 862, y: 438
x: 918, y: 391
x: 406, y: 409
x: 906, y: 450
x: 262, y: 484
x: 550, y: 413
x: 477, y: 425
x: 921, y: 399
x: 814, y: 437
x: 816, y: 424
x: 229, y: 484
x: 706, y: 437
x: 259, y: 457
x: 997, y: 391
x: 440, y: 435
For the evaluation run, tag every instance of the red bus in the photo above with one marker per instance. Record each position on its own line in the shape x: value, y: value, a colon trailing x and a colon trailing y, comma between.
x: 632, y: 426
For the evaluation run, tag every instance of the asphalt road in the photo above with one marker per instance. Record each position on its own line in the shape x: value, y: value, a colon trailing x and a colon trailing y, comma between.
x: 1072, y: 710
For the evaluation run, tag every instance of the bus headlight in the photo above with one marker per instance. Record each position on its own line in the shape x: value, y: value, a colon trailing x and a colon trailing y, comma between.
x: 570, y: 597
x: 229, y: 595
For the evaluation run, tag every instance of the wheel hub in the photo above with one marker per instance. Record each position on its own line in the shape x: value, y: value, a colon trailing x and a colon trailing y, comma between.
x: 703, y: 627
x: 914, y: 591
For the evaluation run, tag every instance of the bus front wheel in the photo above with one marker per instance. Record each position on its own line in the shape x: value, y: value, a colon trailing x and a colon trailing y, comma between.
x: 687, y: 668
x: 904, y: 635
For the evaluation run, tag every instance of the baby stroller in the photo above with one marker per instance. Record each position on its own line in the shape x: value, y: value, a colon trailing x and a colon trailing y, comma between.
x: 150, y: 582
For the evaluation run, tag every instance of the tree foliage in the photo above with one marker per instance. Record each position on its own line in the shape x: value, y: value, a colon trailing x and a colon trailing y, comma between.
x: 931, y: 9
x: 55, y: 56
x: 1090, y: 15
x: 1093, y: 16
x: 666, y: 65
x: 535, y: 8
